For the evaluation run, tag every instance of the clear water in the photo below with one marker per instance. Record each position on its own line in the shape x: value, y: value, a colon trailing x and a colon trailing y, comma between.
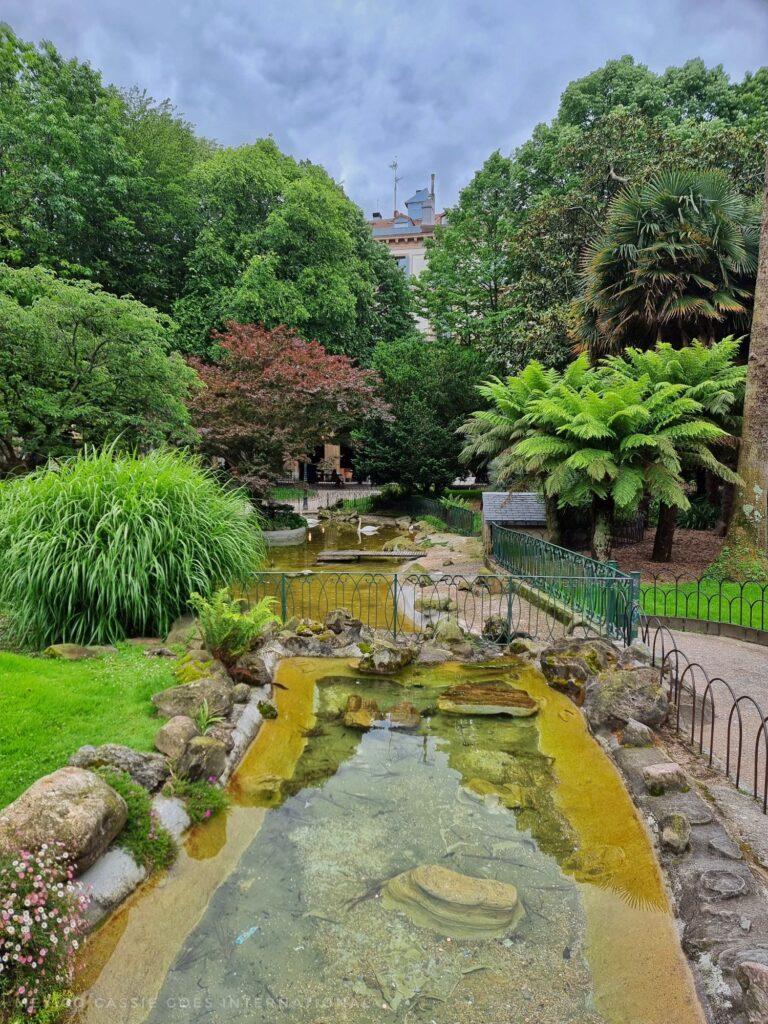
x: 274, y: 911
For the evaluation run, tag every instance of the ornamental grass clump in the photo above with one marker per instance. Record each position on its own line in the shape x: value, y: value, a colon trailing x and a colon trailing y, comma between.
x: 41, y: 919
x: 109, y: 545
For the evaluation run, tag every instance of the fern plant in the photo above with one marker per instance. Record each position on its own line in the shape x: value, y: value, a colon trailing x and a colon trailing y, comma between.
x: 229, y: 631
x: 604, y: 446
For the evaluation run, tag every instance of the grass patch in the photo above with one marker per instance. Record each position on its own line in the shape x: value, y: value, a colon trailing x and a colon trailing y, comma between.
x: 291, y: 493
x: 50, y: 708
x: 741, y: 604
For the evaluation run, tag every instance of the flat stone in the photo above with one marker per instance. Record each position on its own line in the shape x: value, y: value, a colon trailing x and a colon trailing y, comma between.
x: 172, y: 738
x: 107, y: 882
x: 188, y: 699
x: 753, y: 978
x: 453, y: 904
x: 78, y: 652
x: 725, y: 846
x: 172, y: 814
x: 430, y: 654
x: 71, y: 806
x: 719, y: 884
x: 148, y: 769
x: 661, y: 778
x: 487, y: 698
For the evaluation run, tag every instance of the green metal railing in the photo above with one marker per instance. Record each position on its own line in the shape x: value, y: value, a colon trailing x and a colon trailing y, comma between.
x: 402, y: 603
x: 460, y: 520
x: 598, y: 590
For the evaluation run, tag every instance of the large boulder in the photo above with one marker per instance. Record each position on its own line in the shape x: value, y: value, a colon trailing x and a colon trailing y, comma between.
x: 197, y: 663
x: 149, y: 770
x: 172, y: 738
x: 618, y: 696
x: 453, y: 904
x: 78, y: 652
x: 753, y: 978
x: 448, y: 631
x: 205, y: 757
x: 568, y: 664
x: 71, y: 806
x: 185, y: 630
x: 341, y: 620
x: 486, y: 698
x: 188, y: 700
x: 385, y: 658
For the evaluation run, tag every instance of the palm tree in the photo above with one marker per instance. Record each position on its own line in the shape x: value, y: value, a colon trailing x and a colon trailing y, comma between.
x: 711, y: 378
x: 605, y: 445
x: 677, y: 260
x: 493, y: 432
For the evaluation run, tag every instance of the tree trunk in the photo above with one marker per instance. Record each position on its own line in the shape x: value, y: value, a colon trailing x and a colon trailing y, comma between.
x: 602, y: 529
x: 749, y: 514
x: 665, y: 533
x: 553, y: 520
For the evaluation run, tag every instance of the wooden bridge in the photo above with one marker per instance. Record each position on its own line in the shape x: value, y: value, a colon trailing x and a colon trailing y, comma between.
x: 366, y: 556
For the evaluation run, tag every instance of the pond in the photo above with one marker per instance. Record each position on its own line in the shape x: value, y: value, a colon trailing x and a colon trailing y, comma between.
x: 286, y: 908
x: 330, y: 536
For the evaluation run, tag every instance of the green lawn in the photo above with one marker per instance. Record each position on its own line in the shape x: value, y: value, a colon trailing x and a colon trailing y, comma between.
x: 286, y: 493
x: 50, y: 708
x: 743, y: 604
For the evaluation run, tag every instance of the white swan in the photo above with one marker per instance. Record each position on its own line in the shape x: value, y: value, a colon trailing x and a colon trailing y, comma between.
x: 367, y: 530
x: 311, y: 521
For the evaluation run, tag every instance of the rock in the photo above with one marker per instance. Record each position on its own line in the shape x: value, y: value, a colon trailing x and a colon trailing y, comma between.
x: 149, y: 770
x: 486, y: 698
x: 524, y: 646
x: 386, y: 658
x: 341, y: 620
x: 616, y: 696
x: 719, y: 884
x: 172, y: 738
x: 568, y: 664
x: 753, y: 978
x: 489, y: 583
x: 360, y: 712
x: 675, y: 833
x: 431, y: 654
x: 493, y: 766
x: 267, y: 710
x: 70, y: 806
x: 402, y: 543
x: 448, y: 631
x: 172, y: 814
x: 725, y: 846
x: 159, y: 652
x: 184, y: 630
x: 465, y: 584
x: 223, y: 733
x: 436, y: 603
x: 77, y: 652
x: 241, y: 693
x: 199, y: 664
x: 496, y: 628
x: 453, y: 904
x: 187, y: 700
x: 205, y: 757
x: 635, y: 734
x: 403, y: 716
x: 107, y: 882
x: 447, y: 562
x: 251, y: 669
x: 661, y: 778
x: 635, y: 655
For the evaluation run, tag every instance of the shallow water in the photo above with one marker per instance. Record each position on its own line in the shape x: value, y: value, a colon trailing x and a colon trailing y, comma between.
x: 330, y: 536
x: 276, y: 911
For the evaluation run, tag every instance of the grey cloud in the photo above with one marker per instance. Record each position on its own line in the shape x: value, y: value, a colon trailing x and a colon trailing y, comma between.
x: 350, y: 84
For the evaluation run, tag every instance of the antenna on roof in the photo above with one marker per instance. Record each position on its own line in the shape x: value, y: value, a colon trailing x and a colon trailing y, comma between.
x: 395, y: 179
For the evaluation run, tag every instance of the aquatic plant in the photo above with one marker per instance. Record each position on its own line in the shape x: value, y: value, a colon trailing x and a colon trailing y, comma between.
x: 41, y: 919
x: 110, y: 545
x: 229, y: 631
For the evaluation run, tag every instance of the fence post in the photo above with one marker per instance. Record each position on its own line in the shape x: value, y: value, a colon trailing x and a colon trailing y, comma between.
x: 283, y: 599
x: 634, y: 610
x: 394, y: 616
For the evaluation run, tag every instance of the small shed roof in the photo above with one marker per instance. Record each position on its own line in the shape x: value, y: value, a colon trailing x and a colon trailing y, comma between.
x: 521, y: 508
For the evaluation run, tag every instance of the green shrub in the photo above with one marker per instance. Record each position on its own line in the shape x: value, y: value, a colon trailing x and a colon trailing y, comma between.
x: 739, y: 561
x: 281, y: 517
x: 107, y: 545
x: 203, y: 800
x: 148, y: 842
x: 228, y: 631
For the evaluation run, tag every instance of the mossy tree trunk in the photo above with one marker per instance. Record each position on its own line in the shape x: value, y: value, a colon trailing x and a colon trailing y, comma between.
x: 749, y: 512
x: 553, y: 519
x: 602, y: 529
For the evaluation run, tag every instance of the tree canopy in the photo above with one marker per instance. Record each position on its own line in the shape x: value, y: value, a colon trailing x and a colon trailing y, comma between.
x: 504, y: 270
x: 80, y: 366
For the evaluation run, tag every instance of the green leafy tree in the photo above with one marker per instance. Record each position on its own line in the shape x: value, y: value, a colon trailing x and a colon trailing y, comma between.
x: 280, y: 244
x: 604, y: 447
x: 677, y: 260
x: 428, y: 386
x: 80, y: 366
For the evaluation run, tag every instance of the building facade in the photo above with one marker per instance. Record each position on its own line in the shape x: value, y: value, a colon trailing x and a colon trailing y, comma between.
x: 405, y: 234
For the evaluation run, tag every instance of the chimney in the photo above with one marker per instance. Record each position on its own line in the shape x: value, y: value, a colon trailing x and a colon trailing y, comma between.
x: 376, y: 215
x: 428, y: 211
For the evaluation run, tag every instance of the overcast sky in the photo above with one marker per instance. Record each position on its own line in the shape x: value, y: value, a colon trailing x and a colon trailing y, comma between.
x: 351, y: 84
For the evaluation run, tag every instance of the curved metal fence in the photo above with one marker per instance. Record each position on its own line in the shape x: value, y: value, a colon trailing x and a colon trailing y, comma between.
x: 459, y: 520
x: 727, y: 727
x: 704, y: 599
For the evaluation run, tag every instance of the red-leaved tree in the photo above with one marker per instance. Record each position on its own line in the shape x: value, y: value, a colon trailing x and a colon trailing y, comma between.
x: 274, y: 397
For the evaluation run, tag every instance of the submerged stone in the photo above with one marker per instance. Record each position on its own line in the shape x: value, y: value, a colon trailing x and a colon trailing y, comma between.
x: 491, y: 698
x: 453, y: 904
x: 361, y: 712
